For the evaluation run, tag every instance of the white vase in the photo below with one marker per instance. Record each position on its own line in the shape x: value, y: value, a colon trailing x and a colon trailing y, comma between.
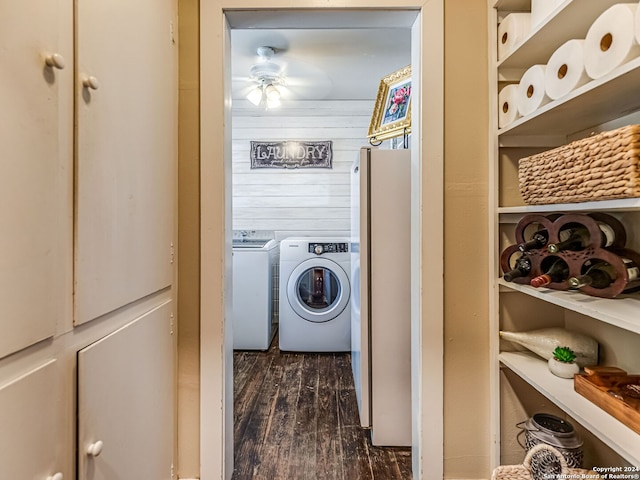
x: 563, y: 369
x: 544, y: 341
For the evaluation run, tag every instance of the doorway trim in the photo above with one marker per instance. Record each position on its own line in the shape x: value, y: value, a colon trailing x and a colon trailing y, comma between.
x: 216, y: 354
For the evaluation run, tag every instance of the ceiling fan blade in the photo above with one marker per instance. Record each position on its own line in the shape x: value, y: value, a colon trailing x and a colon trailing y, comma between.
x: 305, y: 81
x: 240, y: 87
x: 305, y: 89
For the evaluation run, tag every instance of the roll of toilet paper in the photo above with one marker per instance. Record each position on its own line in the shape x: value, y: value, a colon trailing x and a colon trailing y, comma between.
x: 611, y: 40
x: 541, y: 9
x: 507, y: 106
x: 565, y: 70
x: 531, y: 93
x: 511, y: 31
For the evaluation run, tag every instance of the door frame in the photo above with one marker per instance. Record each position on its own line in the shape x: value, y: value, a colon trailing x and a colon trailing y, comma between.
x: 427, y: 309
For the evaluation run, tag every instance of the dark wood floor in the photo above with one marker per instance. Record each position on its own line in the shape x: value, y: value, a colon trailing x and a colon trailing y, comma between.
x: 296, y: 418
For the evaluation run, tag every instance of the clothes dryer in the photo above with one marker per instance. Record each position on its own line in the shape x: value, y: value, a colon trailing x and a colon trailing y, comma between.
x: 314, y: 295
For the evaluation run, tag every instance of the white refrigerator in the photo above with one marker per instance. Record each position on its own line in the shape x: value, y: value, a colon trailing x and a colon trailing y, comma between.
x: 380, y: 293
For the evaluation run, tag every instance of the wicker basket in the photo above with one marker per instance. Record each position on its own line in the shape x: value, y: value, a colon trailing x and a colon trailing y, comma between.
x: 605, y: 166
x: 551, y: 465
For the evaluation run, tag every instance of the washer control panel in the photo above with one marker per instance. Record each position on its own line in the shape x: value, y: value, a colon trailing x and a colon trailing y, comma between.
x: 320, y: 248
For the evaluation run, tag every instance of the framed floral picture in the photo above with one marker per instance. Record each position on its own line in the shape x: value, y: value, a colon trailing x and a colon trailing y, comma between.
x: 392, y: 111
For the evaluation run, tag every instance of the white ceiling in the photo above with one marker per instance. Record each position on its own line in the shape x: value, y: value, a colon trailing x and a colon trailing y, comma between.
x: 319, y: 60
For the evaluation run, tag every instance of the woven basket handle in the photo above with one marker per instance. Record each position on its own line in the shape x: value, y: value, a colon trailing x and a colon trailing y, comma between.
x: 543, y: 446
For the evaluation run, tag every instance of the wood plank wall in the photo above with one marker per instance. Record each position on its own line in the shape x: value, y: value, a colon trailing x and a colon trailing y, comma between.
x: 297, y: 202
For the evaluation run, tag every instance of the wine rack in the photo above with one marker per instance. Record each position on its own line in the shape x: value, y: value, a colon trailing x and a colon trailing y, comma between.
x: 576, y: 261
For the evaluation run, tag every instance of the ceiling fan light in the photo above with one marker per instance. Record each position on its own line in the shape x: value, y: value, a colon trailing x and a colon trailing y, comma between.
x: 273, y: 102
x: 255, y: 96
x: 272, y: 93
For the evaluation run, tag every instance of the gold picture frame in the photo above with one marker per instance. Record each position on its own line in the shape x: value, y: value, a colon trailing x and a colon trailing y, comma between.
x: 392, y: 111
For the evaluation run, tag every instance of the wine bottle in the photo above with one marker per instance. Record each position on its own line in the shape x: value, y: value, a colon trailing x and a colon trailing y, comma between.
x: 543, y: 342
x: 557, y: 272
x: 580, y: 238
x: 601, y: 274
x: 522, y: 268
x: 538, y: 238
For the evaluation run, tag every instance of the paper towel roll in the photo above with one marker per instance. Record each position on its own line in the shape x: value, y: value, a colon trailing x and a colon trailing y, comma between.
x: 541, y: 9
x: 611, y: 40
x: 531, y: 92
x: 507, y: 105
x: 565, y: 69
x: 511, y: 31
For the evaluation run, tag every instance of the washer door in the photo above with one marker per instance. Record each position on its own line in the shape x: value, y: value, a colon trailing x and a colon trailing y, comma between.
x: 318, y: 290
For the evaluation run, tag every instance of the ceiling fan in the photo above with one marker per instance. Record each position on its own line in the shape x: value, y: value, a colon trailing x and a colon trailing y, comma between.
x: 267, y: 75
x: 271, y: 80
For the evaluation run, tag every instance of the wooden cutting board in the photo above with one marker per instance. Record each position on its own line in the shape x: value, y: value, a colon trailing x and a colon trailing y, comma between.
x: 614, y: 391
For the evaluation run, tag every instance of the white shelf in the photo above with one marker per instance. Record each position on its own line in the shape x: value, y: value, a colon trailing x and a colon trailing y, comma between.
x: 570, y: 19
x: 560, y: 391
x: 623, y: 205
x: 597, y: 102
x: 622, y: 311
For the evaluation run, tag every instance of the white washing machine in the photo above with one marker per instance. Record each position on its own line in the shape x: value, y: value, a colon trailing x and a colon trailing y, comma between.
x: 254, y: 313
x: 314, y: 295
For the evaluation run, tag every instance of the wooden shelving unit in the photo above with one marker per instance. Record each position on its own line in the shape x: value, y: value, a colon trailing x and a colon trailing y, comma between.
x: 613, y: 98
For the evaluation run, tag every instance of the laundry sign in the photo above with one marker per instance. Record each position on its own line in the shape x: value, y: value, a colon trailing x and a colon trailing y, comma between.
x: 291, y: 154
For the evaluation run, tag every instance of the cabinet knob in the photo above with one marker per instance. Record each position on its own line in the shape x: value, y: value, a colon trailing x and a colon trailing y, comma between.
x: 91, y: 82
x: 56, y: 476
x: 55, y: 60
x: 95, y: 448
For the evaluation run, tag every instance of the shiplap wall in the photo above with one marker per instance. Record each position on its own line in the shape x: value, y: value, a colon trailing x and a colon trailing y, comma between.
x: 308, y: 201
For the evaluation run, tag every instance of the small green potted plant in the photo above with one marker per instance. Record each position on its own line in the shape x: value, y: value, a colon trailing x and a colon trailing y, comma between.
x: 563, y: 364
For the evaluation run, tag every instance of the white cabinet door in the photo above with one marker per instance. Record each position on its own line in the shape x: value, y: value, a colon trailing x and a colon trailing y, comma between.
x: 36, y: 169
x: 126, y: 402
x: 31, y: 413
x: 126, y: 151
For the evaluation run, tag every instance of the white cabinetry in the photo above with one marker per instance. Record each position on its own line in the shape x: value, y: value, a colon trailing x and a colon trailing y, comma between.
x: 522, y: 384
x: 87, y: 208
x: 126, y: 149
x: 30, y: 414
x: 125, y: 398
x: 36, y: 164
